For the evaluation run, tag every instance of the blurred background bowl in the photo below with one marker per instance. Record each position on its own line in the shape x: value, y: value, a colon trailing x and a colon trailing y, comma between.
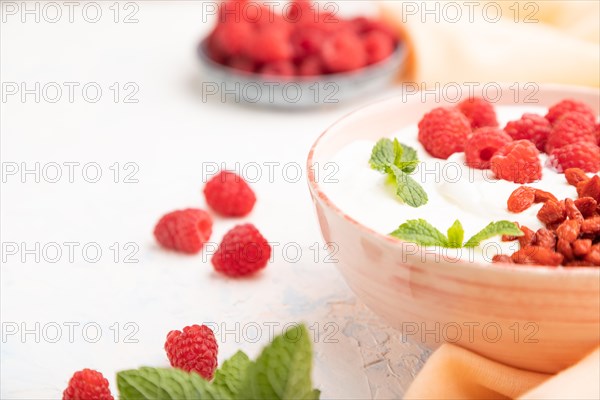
x: 536, y: 318
x: 302, y: 92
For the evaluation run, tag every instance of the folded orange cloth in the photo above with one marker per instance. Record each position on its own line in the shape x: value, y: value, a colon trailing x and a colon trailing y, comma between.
x: 455, y: 373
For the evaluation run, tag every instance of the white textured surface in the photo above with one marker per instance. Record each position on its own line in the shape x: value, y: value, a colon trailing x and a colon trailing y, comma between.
x: 169, y: 134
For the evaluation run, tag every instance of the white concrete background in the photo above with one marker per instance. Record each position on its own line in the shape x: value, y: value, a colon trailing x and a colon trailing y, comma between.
x: 169, y: 134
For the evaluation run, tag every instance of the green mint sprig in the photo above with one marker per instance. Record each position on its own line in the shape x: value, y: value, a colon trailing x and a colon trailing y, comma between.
x: 423, y: 233
x: 399, y: 161
x: 281, y: 371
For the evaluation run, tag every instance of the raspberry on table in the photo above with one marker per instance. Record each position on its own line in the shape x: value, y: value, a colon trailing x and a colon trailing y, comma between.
x: 243, y: 251
x: 482, y: 145
x: 343, y: 51
x: 532, y: 127
x: 194, y: 349
x: 184, y: 230
x: 479, y: 112
x: 517, y: 162
x: 585, y: 156
x: 87, y: 384
x: 378, y: 46
x: 229, y: 195
x: 444, y: 131
x: 558, y: 110
x: 573, y: 127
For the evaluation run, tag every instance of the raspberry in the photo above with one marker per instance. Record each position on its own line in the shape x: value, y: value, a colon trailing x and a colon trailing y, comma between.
x: 229, y: 195
x: 573, y: 127
x: 310, y: 66
x: 378, y: 46
x: 482, y: 145
x: 87, y: 384
x: 242, y: 252
x: 232, y: 37
x: 517, y: 162
x: 184, y: 230
x: 306, y: 42
x: 558, y: 110
x: 479, y: 112
x: 270, y: 44
x: 444, y: 131
x: 193, y: 350
x: 343, y: 51
x: 521, y: 199
x: 585, y: 156
x: 363, y: 26
x: 279, y: 68
x: 242, y: 63
x: 532, y: 127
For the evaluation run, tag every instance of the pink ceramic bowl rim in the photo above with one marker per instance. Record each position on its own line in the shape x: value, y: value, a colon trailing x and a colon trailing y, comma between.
x: 498, y: 267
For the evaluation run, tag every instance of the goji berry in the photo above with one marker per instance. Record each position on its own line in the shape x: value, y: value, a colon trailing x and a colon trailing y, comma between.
x: 521, y: 199
x: 587, y: 206
x: 544, y: 238
x: 551, y: 211
x: 582, y: 247
x: 572, y: 210
x: 542, y: 196
x: 569, y: 230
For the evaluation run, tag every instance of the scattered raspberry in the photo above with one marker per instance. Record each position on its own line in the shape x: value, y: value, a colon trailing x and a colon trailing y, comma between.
x: 184, y: 230
x: 242, y: 252
x: 573, y: 127
x: 279, y: 68
x: 87, y: 384
x: 479, y: 112
x: 532, y: 127
x: 193, y: 350
x: 229, y: 195
x: 558, y: 110
x: 444, y: 131
x: 343, y: 51
x: 521, y: 199
x: 575, y: 175
x: 378, y: 46
x: 585, y: 156
x: 482, y: 145
x: 517, y: 162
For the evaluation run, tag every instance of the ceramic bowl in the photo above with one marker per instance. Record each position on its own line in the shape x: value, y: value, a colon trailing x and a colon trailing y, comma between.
x: 532, y: 317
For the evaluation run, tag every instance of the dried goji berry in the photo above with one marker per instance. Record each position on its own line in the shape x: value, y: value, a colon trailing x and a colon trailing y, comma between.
x: 569, y: 230
x: 590, y: 188
x: 593, y: 256
x: 551, y: 211
x: 544, y: 238
x: 564, y: 248
x: 502, y: 258
x: 575, y: 175
x: 591, y: 225
x: 581, y: 247
x: 537, y: 255
x: 572, y: 210
x: 509, y: 238
x: 578, y: 263
x: 521, y: 199
x: 587, y: 206
x: 527, y: 237
x: 542, y: 196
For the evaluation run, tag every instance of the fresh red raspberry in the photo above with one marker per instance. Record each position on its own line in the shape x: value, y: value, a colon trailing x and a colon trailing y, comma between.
x: 279, y: 68
x: 242, y: 63
x: 479, y: 112
x: 298, y: 11
x: 310, y: 66
x: 558, y: 110
x: 306, y: 42
x: 271, y: 43
x: 585, y: 156
x: 193, y: 350
x: 378, y: 46
x: 532, y: 127
x: 343, y: 51
x: 364, y: 25
x: 444, y: 131
x: 87, y: 384
x: 184, y: 230
x: 483, y: 144
x: 598, y: 133
x: 572, y: 127
x: 232, y: 37
x: 229, y: 195
x: 242, y: 252
x: 517, y: 162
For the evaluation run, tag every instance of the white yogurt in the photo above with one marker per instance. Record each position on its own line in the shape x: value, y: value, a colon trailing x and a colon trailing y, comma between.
x: 455, y: 191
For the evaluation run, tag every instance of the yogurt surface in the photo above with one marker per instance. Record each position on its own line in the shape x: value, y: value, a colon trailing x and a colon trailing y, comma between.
x: 455, y: 191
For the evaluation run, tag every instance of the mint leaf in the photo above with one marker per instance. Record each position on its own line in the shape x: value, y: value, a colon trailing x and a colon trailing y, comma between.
x: 283, y: 370
x: 409, y: 190
x: 230, y: 376
x: 420, y: 232
x: 383, y: 155
x: 456, y: 234
x: 408, y: 159
x: 165, y: 384
x: 494, y: 229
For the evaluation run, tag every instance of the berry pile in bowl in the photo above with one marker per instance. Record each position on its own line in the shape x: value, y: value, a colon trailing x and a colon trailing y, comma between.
x: 323, y: 56
x: 471, y: 222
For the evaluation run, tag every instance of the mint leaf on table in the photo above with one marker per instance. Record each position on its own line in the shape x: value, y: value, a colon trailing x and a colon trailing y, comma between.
x: 165, y: 384
x: 230, y: 376
x: 398, y: 161
x: 283, y: 370
x: 456, y: 235
x: 408, y: 189
x: 494, y: 229
x: 421, y: 232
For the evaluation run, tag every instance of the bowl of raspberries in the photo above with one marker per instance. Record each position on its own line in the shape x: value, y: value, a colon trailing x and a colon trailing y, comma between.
x: 297, y: 56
